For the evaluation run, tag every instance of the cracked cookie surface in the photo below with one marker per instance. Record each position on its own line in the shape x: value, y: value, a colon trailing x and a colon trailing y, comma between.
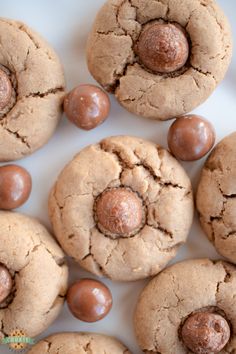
x: 216, y: 197
x: 38, y: 84
x: 82, y: 343
x: 112, y: 61
x: 176, y: 293
x: 143, y: 168
x: 39, y: 274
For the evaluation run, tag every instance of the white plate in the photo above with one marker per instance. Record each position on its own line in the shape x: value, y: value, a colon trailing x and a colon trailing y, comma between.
x: 66, y: 24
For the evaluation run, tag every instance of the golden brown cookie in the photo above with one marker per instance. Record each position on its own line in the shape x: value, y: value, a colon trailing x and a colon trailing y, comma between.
x: 216, y: 197
x: 173, y: 304
x: 122, y: 208
x: 161, y: 58
x: 30, y: 108
x: 39, y: 275
x: 79, y: 343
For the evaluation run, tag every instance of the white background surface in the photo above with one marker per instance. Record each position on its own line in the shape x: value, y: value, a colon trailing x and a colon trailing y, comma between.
x: 66, y: 24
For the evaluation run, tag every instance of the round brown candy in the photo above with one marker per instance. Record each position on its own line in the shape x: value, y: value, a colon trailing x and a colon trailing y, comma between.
x: 87, y: 106
x: 119, y: 212
x: 15, y: 186
x: 205, y: 333
x: 89, y: 300
x: 5, y: 90
x: 163, y: 47
x: 5, y: 283
x: 191, y: 137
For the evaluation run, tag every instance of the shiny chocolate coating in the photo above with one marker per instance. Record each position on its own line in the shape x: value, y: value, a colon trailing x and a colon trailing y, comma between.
x: 5, y: 283
x: 191, y: 137
x: 15, y: 186
x: 87, y: 106
x: 89, y: 300
x: 5, y: 90
x: 119, y: 211
x: 163, y: 47
x: 205, y: 333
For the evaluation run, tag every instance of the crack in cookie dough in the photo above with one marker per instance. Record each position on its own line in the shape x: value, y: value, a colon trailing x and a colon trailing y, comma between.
x: 85, y: 343
x: 217, y: 207
x: 38, y: 90
x: 90, y: 255
x: 51, y: 91
x: 31, y: 245
x: 18, y: 136
x: 145, y: 169
x: 22, y: 27
x: 113, y: 63
x: 177, y: 293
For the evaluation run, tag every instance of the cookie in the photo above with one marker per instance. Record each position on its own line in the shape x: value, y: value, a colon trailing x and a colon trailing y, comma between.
x: 39, y: 274
x: 31, y: 114
x: 122, y: 49
x: 216, y: 197
x: 74, y: 343
x: 175, y: 295
x: 122, y: 208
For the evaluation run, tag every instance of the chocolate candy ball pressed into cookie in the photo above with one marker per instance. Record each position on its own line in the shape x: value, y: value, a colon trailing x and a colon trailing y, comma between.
x: 32, y: 299
x: 31, y: 90
x: 75, y: 343
x: 161, y: 59
x: 122, y: 208
x: 163, y: 47
x: 119, y: 211
x: 5, y: 89
x: 189, y: 308
x: 205, y: 332
x: 216, y: 197
x: 5, y: 283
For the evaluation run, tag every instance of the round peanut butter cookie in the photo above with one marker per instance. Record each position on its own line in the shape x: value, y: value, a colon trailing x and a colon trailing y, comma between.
x: 122, y: 208
x: 79, y: 343
x: 33, y: 276
x: 189, y: 308
x: 161, y: 58
x: 216, y: 197
x: 31, y: 90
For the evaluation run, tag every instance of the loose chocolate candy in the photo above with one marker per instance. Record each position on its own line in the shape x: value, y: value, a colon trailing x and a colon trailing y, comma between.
x: 5, y: 283
x: 205, y: 333
x: 15, y: 186
x: 89, y: 300
x: 5, y: 89
x: 191, y: 137
x: 163, y: 47
x: 119, y: 211
x: 87, y: 106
